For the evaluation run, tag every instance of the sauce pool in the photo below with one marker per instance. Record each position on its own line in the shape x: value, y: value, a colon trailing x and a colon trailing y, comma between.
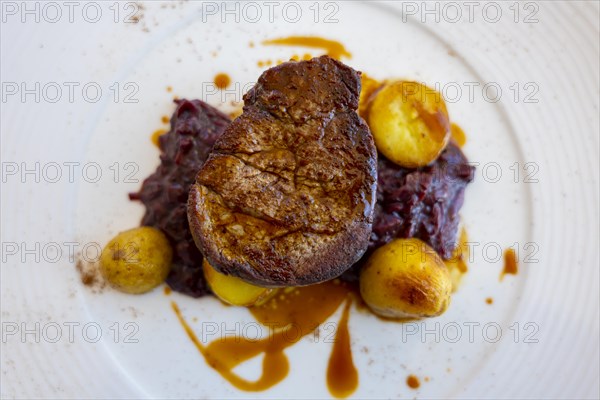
x: 222, y: 80
x: 413, y: 382
x: 342, y: 376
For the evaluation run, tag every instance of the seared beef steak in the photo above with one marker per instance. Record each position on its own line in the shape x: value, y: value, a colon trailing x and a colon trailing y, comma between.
x: 287, y: 195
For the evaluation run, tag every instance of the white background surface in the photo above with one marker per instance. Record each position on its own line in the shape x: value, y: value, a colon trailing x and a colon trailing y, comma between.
x: 555, y: 60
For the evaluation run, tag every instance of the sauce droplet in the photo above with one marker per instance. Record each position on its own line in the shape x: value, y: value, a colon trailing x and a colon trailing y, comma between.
x: 342, y: 376
x: 332, y: 48
x: 413, y: 382
x: 169, y: 89
x: 222, y: 80
x: 510, y: 263
x: 489, y: 300
x: 156, y: 135
x: 165, y: 119
x: 264, y: 63
x: 167, y: 290
x: 458, y: 135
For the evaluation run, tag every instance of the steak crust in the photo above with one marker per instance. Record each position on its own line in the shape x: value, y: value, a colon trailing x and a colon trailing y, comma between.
x: 287, y: 195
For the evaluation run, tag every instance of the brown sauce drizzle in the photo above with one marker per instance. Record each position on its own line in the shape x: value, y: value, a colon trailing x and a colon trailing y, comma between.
x: 332, y: 48
x: 510, y: 263
x: 413, y: 382
x: 222, y: 80
x: 458, y: 135
x: 291, y: 315
x: 342, y: 376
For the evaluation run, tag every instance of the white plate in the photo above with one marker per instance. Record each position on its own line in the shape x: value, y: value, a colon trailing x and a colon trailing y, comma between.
x: 540, y: 134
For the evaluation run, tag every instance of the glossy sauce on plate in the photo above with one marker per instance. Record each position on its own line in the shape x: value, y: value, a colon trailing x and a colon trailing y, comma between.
x: 290, y: 315
x: 342, y: 376
x: 332, y: 48
x: 222, y: 80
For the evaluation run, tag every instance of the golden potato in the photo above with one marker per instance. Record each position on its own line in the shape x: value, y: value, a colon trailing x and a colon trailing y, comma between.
x: 405, y: 279
x: 232, y: 290
x: 410, y: 123
x: 137, y: 260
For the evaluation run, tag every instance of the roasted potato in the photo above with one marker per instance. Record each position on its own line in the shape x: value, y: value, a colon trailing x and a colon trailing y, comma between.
x: 410, y: 123
x: 405, y: 279
x: 137, y: 260
x: 232, y: 290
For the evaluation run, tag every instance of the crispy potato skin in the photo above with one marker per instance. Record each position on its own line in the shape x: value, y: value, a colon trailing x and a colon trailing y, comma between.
x: 409, y: 122
x: 234, y: 291
x: 406, y: 279
x: 137, y: 260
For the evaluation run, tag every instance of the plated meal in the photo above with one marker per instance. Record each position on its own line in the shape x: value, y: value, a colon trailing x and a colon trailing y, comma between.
x: 304, y: 200
x: 329, y: 189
